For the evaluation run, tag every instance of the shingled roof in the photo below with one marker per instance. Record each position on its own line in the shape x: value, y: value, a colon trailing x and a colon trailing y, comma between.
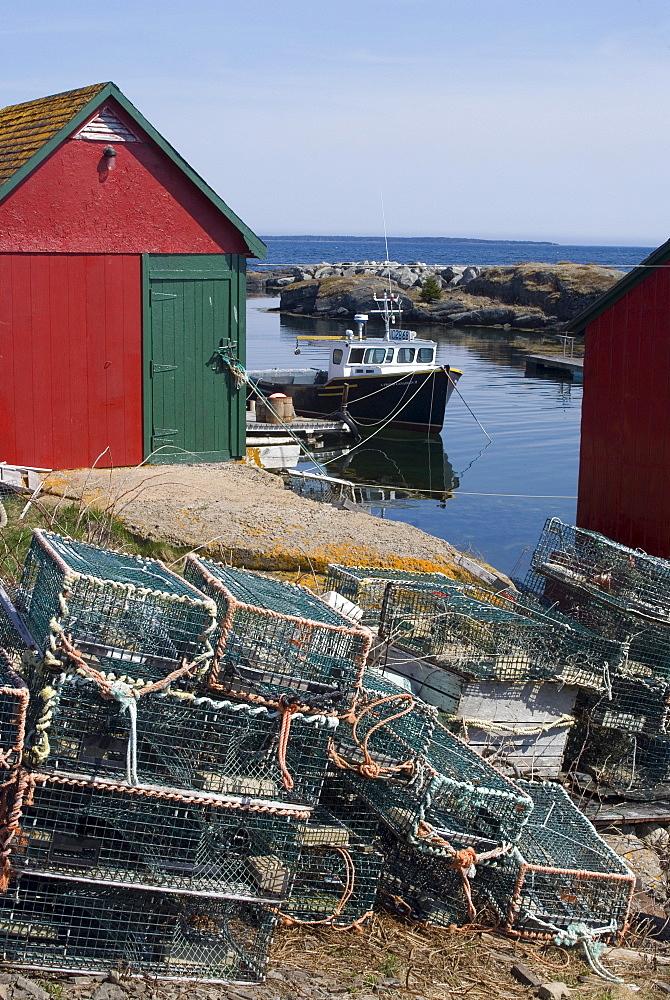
x: 30, y: 132
x: 25, y: 128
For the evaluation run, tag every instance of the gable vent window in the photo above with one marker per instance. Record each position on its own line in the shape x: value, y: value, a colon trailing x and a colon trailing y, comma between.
x: 106, y: 127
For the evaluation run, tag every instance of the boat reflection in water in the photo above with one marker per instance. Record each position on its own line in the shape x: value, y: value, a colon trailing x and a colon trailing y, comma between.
x: 380, y: 473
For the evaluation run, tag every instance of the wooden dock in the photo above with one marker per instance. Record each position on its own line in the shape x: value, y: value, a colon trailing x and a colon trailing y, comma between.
x: 307, y: 429
x: 556, y: 363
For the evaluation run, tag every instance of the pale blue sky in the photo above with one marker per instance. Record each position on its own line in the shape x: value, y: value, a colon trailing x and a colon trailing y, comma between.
x: 519, y: 119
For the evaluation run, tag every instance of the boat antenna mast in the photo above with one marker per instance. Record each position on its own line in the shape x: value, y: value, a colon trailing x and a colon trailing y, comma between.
x: 388, y: 304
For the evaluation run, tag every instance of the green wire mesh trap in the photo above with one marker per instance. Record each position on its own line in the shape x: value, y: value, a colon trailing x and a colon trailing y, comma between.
x: 130, y: 614
x: 622, y: 761
x: 365, y: 585
x: 54, y: 924
x: 559, y: 874
x: 147, y: 836
x: 491, y: 636
x: 13, y: 713
x: 11, y: 640
x: 599, y: 600
x: 178, y: 739
x: 339, y: 867
x: 451, y: 794
x: 601, y: 570
x: 420, y: 886
x: 636, y: 705
x: 378, y: 711
x: 279, y: 640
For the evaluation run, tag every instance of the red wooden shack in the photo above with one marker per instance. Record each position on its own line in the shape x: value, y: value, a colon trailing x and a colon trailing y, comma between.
x: 121, y: 274
x: 624, y: 469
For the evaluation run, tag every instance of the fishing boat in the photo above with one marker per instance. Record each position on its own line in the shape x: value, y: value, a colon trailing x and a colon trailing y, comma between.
x: 391, y: 381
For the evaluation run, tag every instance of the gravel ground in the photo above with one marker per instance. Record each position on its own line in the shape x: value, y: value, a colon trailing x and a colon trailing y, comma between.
x: 243, y: 515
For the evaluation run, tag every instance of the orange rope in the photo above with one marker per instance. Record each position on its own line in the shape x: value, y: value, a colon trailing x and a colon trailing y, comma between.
x: 463, y: 861
x: 370, y: 768
x: 73, y: 654
x: 23, y: 782
x: 350, y: 881
x: 288, y: 709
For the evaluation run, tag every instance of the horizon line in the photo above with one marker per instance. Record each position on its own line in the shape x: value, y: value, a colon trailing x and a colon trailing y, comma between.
x: 456, y: 239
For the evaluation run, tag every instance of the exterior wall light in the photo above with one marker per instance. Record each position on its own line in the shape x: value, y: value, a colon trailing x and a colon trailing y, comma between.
x: 109, y: 154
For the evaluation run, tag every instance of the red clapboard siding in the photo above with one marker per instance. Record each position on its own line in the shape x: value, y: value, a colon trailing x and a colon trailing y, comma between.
x: 70, y: 359
x: 624, y: 473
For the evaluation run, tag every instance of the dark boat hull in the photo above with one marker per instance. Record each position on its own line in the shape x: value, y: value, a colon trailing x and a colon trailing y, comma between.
x: 416, y: 402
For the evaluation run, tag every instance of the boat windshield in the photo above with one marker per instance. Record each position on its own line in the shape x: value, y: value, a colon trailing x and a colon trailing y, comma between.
x: 375, y: 355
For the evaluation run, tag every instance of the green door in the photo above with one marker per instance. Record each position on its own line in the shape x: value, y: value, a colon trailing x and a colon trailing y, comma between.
x: 193, y: 305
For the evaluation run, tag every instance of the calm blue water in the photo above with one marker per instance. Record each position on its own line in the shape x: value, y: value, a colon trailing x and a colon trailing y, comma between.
x: 534, y: 424
x: 490, y: 498
x: 438, y: 250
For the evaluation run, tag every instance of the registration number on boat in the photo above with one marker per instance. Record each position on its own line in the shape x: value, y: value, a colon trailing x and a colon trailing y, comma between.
x: 401, y: 334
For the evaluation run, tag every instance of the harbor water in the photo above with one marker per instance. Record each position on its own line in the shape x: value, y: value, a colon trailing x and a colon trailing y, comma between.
x: 487, y: 497
x: 490, y: 498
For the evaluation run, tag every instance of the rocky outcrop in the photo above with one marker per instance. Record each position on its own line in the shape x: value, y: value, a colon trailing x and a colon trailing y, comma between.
x: 561, y: 291
x: 405, y: 276
x: 525, y: 296
x: 338, y: 296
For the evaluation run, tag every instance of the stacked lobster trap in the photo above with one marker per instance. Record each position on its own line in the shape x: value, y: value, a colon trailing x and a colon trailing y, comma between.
x: 190, y: 759
x: 623, y: 734
x: 503, y: 670
x: 459, y: 838
x: 159, y: 816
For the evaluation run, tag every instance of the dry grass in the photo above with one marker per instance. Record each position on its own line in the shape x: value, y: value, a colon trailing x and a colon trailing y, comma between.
x: 435, y: 963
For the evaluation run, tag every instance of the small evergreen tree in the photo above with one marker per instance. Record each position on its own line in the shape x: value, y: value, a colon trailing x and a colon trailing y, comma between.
x: 431, y: 289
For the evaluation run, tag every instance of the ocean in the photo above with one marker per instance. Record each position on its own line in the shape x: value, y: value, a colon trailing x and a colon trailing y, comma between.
x: 296, y: 250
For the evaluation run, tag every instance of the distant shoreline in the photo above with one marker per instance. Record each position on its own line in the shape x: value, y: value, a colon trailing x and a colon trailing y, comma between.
x: 416, y: 239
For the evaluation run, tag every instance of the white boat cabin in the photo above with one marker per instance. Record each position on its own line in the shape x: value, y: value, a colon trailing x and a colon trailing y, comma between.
x: 399, y: 353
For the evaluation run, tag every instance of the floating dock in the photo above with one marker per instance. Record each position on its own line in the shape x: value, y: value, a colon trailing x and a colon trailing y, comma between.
x: 556, y: 363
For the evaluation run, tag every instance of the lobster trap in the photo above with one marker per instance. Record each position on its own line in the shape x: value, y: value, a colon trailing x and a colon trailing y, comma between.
x: 126, y: 614
x: 13, y: 713
x: 178, y: 739
x: 279, y: 641
x: 601, y: 570
x: 365, y: 585
x: 446, y: 797
x: 339, y: 867
x: 503, y: 637
x: 421, y: 886
x: 622, y: 761
x: 385, y: 710
x: 519, y: 728
x: 560, y: 874
x: 634, y: 704
x: 14, y: 637
x: 151, y: 837
x: 336, y: 878
x: 69, y: 926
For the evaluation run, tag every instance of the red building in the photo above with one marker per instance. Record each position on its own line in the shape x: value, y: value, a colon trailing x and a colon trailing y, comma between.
x: 121, y: 273
x: 624, y: 469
